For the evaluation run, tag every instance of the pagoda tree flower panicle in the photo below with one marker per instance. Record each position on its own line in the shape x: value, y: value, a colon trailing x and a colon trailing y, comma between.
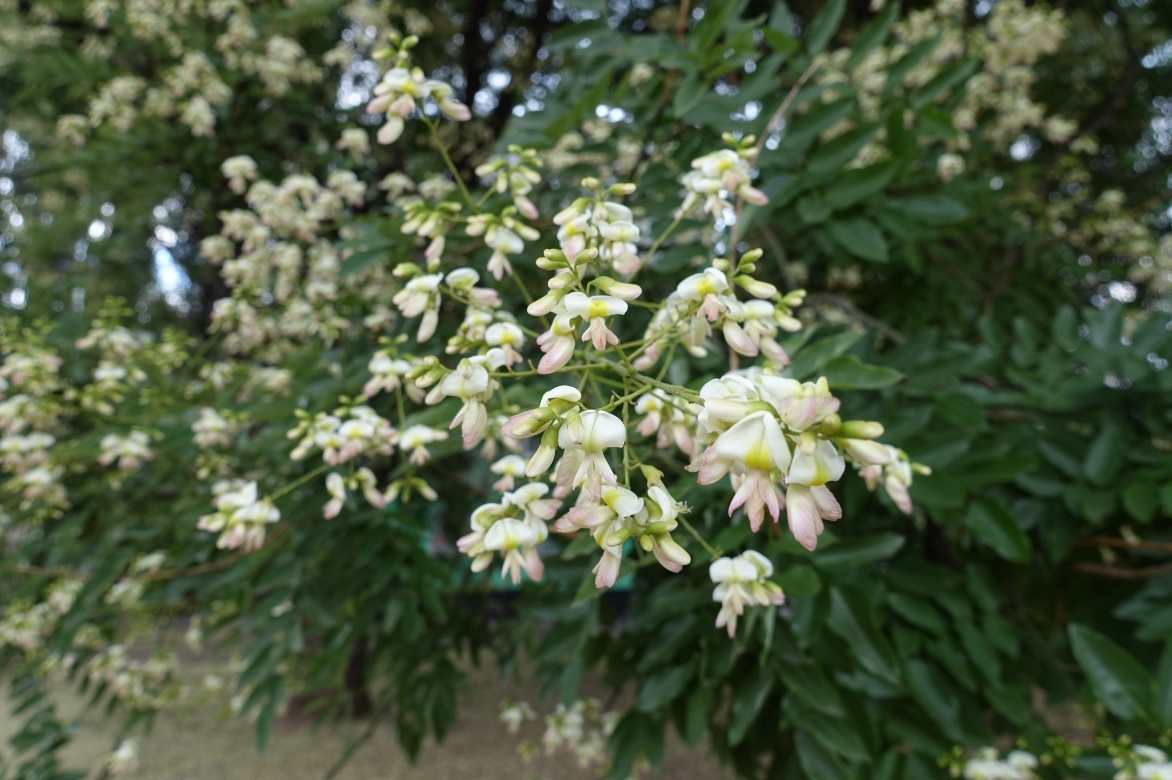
x: 740, y: 582
x: 401, y: 88
x: 988, y: 764
x: 240, y: 517
x: 717, y: 178
x: 512, y: 528
x: 515, y: 174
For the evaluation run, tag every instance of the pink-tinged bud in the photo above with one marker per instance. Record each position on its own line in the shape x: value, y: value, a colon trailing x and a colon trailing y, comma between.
x: 379, y: 104
x: 533, y: 565
x: 756, y: 287
x: 332, y: 508
x: 774, y: 351
x: 559, y: 354
x: 545, y: 304
x: 606, y: 571
x: 899, y: 494
x: 540, y: 461
x: 427, y: 325
x: 735, y: 337
x: 402, y: 106
x: 573, y: 246
x: 802, y: 516
x: 866, y: 451
x: 526, y: 424
x: 475, y: 424
x: 526, y: 207
x: 455, y: 110
x: 390, y: 132
x: 862, y: 429
x: 434, y: 251
x: 752, y: 195
x: 670, y: 554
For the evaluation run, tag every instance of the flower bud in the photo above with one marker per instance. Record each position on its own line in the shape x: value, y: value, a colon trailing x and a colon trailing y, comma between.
x: 756, y: 287
x: 624, y: 290
x: 861, y: 429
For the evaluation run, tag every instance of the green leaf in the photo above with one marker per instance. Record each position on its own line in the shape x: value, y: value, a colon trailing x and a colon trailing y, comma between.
x: 849, y: 621
x: 805, y: 128
x: 811, y: 358
x: 860, y: 237
x: 1105, y: 455
x: 691, y: 91
x: 847, y: 372
x: 854, y: 553
x: 799, y: 581
x: 933, y: 209
x: 918, y: 612
x: 1139, y: 499
x: 874, y: 33
x: 993, y: 526
x: 696, y: 717
x: 746, y: 704
x: 658, y: 690
x: 1164, y: 687
x: 824, y: 25
x: 858, y: 184
x: 932, y: 691
x: 837, y: 153
x: 816, y: 762
x: 944, y: 81
x: 1119, y: 681
x: 811, y: 684
x: 834, y: 733
x: 358, y: 261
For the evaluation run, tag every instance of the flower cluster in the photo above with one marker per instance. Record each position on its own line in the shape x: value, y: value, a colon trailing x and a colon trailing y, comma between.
x: 345, y: 434
x: 241, y: 516
x: 396, y: 96
x: 581, y: 729
x: 128, y: 451
x: 766, y: 432
x: 987, y: 764
x: 742, y: 581
x: 1144, y: 763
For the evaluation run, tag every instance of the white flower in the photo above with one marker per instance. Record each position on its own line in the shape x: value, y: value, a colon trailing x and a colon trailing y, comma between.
x: 470, y: 383
x: 595, y: 308
x: 509, y: 467
x: 240, y: 517
x: 584, y: 438
x: 415, y: 440
x: 755, y: 451
x: 742, y: 581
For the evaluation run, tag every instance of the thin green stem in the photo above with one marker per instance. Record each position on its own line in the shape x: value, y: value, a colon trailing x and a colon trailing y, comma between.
x: 713, y: 552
